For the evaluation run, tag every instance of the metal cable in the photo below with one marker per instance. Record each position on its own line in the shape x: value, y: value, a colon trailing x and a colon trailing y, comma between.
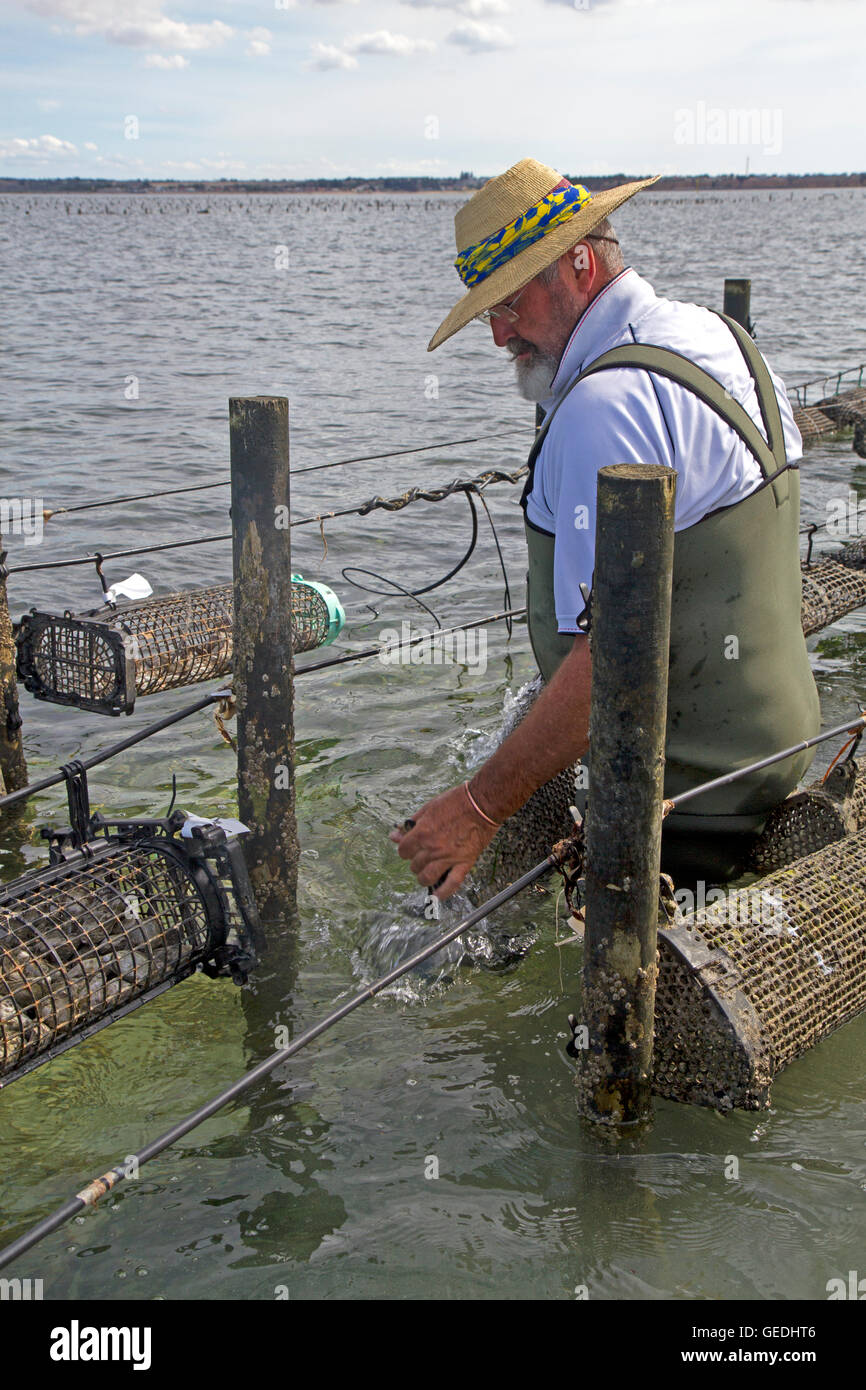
x: 822, y: 381
x: 390, y: 504
x: 294, y: 472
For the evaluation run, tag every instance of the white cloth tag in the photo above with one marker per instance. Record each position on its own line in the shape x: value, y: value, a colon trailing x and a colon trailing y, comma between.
x: 135, y: 587
x: 226, y: 823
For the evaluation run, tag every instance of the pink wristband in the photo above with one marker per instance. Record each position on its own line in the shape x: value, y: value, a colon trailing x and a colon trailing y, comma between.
x: 474, y: 804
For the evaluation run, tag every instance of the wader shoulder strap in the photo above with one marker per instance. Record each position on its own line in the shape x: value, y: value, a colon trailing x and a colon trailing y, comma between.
x: 767, y: 398
x: 665, y: 362
x: 769, y: 452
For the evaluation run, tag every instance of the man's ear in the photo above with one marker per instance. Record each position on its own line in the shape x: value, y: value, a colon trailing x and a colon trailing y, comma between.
x: 581, y: 264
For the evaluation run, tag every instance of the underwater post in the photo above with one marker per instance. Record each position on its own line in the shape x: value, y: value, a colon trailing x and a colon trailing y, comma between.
x: 738, y: 302
x: 263, y: 662
x: 631, y: 603
x: 13, y: 767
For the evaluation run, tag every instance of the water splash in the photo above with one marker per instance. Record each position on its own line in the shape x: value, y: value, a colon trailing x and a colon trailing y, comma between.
x: 388, y: 938
x: 476, y: 746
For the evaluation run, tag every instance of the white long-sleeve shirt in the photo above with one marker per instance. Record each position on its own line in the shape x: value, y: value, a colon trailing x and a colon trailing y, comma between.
x: 629, y: 415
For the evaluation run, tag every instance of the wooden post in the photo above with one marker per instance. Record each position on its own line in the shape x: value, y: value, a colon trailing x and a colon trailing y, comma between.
x: 631, y: 600
x: 263, y: 663
x: 13, y: 767
x: 738, y: 302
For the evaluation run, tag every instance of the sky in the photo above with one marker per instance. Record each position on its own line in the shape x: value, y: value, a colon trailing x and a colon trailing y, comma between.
x: 332, y: 88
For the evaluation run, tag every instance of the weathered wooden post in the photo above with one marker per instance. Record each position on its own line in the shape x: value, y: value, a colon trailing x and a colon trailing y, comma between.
x: 13, y: 767
x: 631, y: 600
x: 738, y: 302
x: 263, y: 663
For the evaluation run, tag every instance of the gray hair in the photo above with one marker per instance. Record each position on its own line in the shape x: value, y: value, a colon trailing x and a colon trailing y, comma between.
x: 607, y: 253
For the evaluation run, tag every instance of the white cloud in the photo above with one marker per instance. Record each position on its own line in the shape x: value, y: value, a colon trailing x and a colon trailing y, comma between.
x: 382, y: 41
x: 137, y: 23
x: 475, y: 8
x: 48, y: 104
x: 158, y: 60
x: 89, y: 145
x: 259, y: 42
x: 480, y: 38
x: 326, y: 56
x: 40, y: 147
x: 478, y: 8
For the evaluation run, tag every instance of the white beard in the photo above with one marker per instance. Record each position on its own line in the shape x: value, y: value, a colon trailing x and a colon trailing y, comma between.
x: 535, y: 377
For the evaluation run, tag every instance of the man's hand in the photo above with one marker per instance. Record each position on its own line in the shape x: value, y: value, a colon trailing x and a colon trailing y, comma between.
x: 448, y: 835
x: 447, y: 838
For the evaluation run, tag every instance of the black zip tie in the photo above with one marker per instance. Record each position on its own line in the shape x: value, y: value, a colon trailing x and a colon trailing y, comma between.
x: 78, y: 797
x: 810, y: 530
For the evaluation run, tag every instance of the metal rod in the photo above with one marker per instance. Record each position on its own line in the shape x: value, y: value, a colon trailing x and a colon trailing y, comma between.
x: 13, y: 766
x: 91, y: 1194
x: 737, y: 303
x: 630, y: 641
x: 412, y: 642
x: 96, y: 758
x: 262, y: 650
x: 728, y: 777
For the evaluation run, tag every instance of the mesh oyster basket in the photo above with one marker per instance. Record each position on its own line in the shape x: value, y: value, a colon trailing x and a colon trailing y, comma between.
x: 748, y: 984
x: 813, y: 423
x: 112, y: 921
x: 833, y: 586
x: 102, y: 661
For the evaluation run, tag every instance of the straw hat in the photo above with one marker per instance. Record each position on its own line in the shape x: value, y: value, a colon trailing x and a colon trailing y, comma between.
x: 517, y: 225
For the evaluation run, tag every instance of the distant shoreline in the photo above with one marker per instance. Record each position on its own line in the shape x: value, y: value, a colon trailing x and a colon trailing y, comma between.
x: 465, y: 184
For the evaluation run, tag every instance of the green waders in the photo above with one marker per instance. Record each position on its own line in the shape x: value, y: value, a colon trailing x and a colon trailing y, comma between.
x: 739, y: 684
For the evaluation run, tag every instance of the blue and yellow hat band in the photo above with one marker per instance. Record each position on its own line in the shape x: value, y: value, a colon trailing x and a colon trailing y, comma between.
x: 477, y: 262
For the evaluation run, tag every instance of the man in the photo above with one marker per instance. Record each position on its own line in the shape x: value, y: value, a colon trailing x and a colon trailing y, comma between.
x: 543, y: 266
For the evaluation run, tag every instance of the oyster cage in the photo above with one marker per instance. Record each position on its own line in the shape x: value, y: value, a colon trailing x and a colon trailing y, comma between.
x: 110, y: 923
x: 748, y: 984
x: 833, y: 586
x: 102, y: 661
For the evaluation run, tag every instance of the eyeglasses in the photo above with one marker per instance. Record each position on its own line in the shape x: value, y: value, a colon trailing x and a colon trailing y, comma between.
x: 506, y: 311
x: 502, y: 311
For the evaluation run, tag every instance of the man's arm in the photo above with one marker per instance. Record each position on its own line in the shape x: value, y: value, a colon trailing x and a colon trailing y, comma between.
x: 449, y: 835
